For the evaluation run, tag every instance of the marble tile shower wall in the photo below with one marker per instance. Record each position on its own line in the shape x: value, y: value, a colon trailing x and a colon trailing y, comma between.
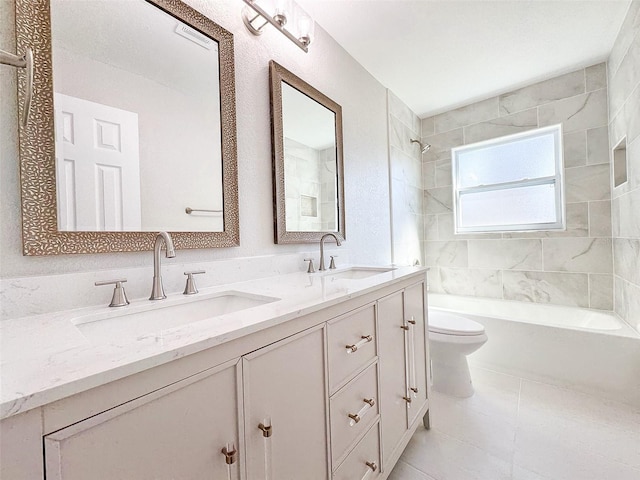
x: 573, y: 267
x: 405, y: 165
x: 624, y: 116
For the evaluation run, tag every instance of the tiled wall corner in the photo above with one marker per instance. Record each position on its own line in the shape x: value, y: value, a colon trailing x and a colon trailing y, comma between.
x: 406, y: 184
x: 573, y: 267
x: 624, y: 122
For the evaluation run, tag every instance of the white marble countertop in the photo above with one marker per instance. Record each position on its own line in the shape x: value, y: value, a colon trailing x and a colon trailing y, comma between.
x: 46, y: 358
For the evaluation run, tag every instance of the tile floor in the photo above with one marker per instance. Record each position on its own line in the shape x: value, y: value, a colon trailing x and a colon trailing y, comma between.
x: 516, y: 429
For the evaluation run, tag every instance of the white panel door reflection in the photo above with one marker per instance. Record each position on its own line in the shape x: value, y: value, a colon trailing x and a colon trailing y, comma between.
x: 97, y: 166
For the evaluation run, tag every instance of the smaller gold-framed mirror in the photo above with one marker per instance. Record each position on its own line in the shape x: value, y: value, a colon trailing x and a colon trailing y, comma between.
x: 308, y: 183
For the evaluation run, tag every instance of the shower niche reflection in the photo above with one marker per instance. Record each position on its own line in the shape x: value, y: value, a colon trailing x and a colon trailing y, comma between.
x: 309, y: 163
x: 307, y: 156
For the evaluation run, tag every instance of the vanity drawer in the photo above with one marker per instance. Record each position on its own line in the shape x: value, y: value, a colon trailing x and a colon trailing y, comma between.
x: 363, y: 463
x: 353, y: 410
x: 352, y: 344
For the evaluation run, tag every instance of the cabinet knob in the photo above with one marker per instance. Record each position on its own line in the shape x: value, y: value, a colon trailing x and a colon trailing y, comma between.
x: 371, y: 467
x: 407, y: 399
x: 267, y: 431
x: 230, y: 454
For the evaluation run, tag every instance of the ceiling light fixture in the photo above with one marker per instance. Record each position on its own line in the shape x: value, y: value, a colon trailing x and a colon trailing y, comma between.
x: 293, y: 22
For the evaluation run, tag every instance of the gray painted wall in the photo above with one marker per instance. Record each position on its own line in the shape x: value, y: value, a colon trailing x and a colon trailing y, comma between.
x: 363, y: 101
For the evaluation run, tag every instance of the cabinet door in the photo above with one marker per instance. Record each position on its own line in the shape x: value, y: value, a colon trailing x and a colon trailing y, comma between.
x: 176, y: 432
x: 418, y: 353
x: 392, y: 359
x: 285, y: 398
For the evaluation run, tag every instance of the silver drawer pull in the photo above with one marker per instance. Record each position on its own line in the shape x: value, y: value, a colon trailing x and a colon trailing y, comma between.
x: 26, y: 62
x: 356, y: 417
x: 371, y: 467
x: 354, y: 348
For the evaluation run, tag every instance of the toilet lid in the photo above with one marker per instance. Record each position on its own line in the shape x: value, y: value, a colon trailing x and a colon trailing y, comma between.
x: 450, y: 324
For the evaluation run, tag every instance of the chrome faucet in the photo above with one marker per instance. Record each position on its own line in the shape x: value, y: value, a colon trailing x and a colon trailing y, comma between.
x: 322, y: 267
x: 157, y: 291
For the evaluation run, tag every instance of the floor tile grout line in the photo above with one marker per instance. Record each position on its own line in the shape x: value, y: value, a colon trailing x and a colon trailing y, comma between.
x: 515, y: 430
x: 468, y: 444
x: 430, y: 477
x: 610, y: 403
x: 597, y: 454
x: 618, y: 405
x: 415, y: 467
x: 509, y: 470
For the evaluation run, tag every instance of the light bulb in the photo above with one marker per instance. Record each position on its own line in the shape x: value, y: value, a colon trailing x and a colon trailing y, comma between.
x: 282, y: 11
x: 305, y: 28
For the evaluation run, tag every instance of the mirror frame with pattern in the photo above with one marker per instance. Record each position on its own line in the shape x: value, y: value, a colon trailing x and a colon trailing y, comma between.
x: 40, y: 234
x: 277, y: 75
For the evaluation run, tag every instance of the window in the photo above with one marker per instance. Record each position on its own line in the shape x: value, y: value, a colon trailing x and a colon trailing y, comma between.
x: 511, y: 183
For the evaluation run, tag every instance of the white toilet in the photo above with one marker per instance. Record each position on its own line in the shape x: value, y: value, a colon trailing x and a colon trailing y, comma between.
x: 451, y: 338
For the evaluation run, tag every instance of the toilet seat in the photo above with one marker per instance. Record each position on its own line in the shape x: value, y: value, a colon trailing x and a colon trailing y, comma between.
x: 450, y: 324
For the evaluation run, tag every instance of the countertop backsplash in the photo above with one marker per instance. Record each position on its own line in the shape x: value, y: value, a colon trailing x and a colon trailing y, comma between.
x: 26, y: 296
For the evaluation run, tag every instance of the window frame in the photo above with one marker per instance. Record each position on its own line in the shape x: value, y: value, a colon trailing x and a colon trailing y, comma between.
x: 557, y: 180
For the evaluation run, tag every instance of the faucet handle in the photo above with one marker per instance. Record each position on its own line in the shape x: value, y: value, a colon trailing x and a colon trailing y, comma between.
x: 119, y: 298
x: 190, y: 288
x: 332, y: 264
x: 311, y: 269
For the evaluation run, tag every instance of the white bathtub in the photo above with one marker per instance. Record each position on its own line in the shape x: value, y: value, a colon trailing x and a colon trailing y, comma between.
x: 587, y: 350
x: 550, y: 315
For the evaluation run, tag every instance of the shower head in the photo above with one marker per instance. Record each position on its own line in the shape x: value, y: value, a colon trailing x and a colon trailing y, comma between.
x: 423, y: 146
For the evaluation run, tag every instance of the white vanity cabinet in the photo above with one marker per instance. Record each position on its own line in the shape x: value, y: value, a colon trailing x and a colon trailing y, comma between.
x: 332, y: 394
x: 403, y: 366
x: 415, y: 307
x: 354, y: 400
x: 179, y: 431
x: 285, y: 409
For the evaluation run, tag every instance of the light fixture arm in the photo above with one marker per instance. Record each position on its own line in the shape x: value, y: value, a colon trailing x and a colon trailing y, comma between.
x: 249, y: 20
x: 26, y: 62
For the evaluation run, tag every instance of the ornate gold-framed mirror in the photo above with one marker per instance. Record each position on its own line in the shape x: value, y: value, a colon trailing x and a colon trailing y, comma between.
x: 308, y: 174
x: 204, y: 212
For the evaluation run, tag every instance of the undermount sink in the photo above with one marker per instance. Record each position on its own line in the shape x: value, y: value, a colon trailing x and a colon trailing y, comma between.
x: 357, y: 273
x: 136, y: 321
